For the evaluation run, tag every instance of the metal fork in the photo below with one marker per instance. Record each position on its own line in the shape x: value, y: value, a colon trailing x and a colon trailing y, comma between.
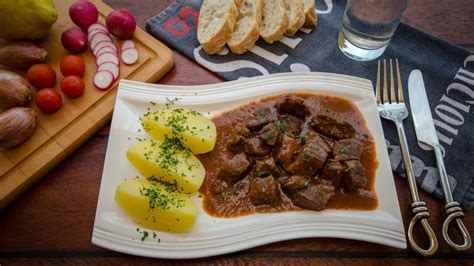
x: 396, y: 111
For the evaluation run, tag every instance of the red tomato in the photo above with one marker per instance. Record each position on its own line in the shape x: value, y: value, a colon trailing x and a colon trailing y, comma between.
x: 72, y: 65
x: 41, y: 76
x: 72, y: 86
x: 48, y: 100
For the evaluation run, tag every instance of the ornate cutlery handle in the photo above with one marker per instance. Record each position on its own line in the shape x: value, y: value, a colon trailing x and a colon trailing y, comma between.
x: 454, y: 213
x: 420, y: 212
x: 452, y: 210
x: 418, y: 208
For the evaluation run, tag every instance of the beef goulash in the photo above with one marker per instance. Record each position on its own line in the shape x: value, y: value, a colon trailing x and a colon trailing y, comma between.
x: 290, y: 152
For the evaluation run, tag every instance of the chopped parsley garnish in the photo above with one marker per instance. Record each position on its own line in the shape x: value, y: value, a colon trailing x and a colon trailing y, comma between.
x: 263, y: 174
x: 144, y: 235
x: 342, y: 149
x: 279, y: 125
x: 348, y: 170
x: 161, y: 196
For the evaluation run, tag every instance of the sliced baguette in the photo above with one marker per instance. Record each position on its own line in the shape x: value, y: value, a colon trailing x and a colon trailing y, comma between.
x: 216, y: 24
x: 247, y: 27
x: 274, y: 20
x: 310, y: 18
x: 295, y: 11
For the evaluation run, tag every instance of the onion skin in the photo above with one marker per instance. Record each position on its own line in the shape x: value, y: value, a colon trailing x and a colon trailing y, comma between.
x: 16, y: 125
x: 22, y: 55
x: 14, y: 90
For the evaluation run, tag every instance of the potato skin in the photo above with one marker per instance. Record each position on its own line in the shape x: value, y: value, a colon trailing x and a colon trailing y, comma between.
x: 188, y: 173
x: 199, y: 132
x: 178, y: 215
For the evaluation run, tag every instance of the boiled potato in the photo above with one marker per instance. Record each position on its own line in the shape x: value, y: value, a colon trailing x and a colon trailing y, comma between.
x: 152, y: 158
x: 198, y: 132
x: 156, y: 206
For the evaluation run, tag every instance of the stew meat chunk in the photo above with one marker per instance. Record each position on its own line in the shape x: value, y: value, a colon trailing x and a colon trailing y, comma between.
x: 290, y: 125
x: 333, y: 171
x: 295, y: 183
x: 256, y: 146
x: 310, y: 160
x: 347, y: 149
x: 285, y: 157
x: 270, y: 134
x: 355, y: 175
x: 288, y: 148
x: 260, y: 118
x: 267, y: 166
x: 236, y: 141
x: 331, y: 127
x: 264, y: 191
x: 314, y: 197
x: 234, y: 169
x: 293, y: 105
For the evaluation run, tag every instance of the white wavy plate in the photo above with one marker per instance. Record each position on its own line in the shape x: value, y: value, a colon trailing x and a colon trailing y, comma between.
x: 213, y: 236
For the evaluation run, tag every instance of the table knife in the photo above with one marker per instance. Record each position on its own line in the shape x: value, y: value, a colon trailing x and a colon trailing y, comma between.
x: 427, y: 137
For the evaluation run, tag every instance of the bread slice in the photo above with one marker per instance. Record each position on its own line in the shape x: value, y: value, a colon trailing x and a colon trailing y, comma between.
x: 274, y: 20
x: 216, y: 24
x: 310, y: 18
x: 295, y: 11
x: 247, y: 27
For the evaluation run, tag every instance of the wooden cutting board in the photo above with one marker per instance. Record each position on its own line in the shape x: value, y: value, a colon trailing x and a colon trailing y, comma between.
x: 57, y: 135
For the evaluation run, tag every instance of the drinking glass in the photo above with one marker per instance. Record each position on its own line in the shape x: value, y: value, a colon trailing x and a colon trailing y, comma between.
x: 368, y: 26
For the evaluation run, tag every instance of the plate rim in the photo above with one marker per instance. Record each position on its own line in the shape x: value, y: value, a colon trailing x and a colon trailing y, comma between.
x: 131, y: 88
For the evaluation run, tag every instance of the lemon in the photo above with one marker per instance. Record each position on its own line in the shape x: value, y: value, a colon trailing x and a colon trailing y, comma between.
x: 26, y: 19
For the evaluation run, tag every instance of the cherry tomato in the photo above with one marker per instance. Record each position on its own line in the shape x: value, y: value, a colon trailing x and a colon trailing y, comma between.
x: 48, y: 100
x: 72, y: 86
x: 72, y: 65
x: 41, y: 76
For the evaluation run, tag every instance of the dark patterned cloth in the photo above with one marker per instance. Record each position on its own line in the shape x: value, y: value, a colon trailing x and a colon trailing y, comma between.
x: 448, y: 72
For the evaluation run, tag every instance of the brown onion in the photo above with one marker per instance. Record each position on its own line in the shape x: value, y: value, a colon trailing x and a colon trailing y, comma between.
x: 14, y: 90
x: 22, y: 55
x: 16, y: 125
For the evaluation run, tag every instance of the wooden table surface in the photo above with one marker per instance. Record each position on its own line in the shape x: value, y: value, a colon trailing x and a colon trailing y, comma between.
x: 52, y: 222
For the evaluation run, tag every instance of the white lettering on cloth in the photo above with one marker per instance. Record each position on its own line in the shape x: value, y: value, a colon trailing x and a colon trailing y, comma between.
x: 328, y: 9
x: 429, y: 175
x: 454, y: 104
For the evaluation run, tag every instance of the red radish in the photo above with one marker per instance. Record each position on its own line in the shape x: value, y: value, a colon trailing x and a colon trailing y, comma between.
x: 74, y: 40
x: 129, y: 56
x: 105, y: 49
x: 97, y: 26
x: 109, y: 66
x: 99, y: 37
x: 90, y: 34
x: 103, y: 79
x: 83, y: 14
x: 121, y: 23
x: 104, y: 44
x: 128, y: 44
x: 107, y: 57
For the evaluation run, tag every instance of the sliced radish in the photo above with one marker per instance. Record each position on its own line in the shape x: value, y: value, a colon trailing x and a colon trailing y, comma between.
x: 103, y: 44
x: 97, y: 26
x: 109, y: 66
x: 107, y: 57
x: 97, y: 38
x: 128, y: 44
x: 129, y: 56
x: 92, y: 33
x: 105, y: 49
x: 103, y: 79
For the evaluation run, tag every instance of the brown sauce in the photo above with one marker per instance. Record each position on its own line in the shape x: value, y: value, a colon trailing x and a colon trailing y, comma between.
x: 236, y: 201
